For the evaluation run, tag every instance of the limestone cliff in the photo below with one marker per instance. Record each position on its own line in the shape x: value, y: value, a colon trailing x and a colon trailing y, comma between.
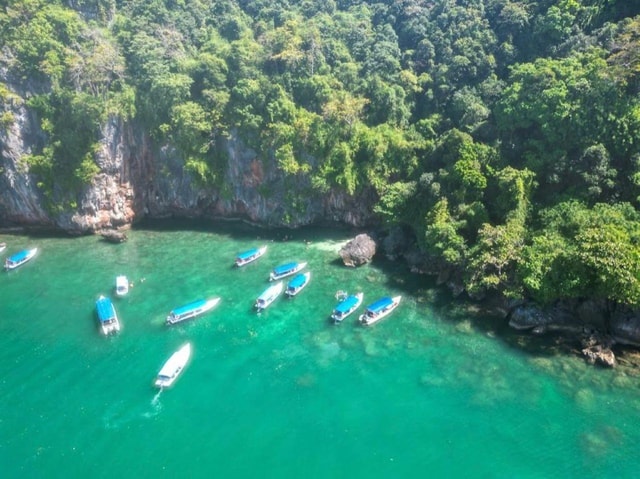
x: 139, y: 178
x: 20, y: 200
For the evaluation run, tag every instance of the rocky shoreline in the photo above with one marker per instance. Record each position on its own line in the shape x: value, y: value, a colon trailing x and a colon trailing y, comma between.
x: 596, y: 329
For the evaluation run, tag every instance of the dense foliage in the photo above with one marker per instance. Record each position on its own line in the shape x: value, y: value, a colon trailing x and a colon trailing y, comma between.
x: 505, y: 133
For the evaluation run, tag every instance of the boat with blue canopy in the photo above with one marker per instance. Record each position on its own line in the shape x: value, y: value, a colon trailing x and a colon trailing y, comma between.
x: 380, y: 309
x: 191, y: 310
x: 285, y: 270
x: 107, y: 315
x: 20, y: 258
x: 268, y: 296
x: 346, y: 307
x: 250, y: 255
x: 297, y: 284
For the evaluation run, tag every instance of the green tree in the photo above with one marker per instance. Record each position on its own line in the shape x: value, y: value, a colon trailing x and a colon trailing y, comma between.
x: 584, y: 252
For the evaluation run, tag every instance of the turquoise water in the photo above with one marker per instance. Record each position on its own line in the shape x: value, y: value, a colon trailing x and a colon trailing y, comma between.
x: 285, y: 393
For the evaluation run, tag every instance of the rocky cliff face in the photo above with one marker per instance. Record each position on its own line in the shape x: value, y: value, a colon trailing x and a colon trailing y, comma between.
x: 140, y: 179
x: 20, y: 200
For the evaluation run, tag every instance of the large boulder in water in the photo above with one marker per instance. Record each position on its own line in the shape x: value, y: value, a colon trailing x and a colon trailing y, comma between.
x: 358, y: 251
x: 596, y: 349
x: 598, y: 355
x: 114, y: 236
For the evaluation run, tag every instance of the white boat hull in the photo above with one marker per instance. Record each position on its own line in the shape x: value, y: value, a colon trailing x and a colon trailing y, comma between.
x: 9, y: 265
x: 243, y: 261
x: 291, y: 292
x: 173, y: 367
x: 107, y: 316
x: 276, y: 277
x: 122, y: 285
x: 338, y: 318
x: 367, y: 319
x: 269, y: 296
x: 209, y: 305
x: 110, y: 328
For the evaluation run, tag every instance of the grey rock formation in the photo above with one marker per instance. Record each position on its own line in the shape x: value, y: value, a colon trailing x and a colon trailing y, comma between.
x: 597, y: 350
x: 600, y: 356
x: 526, y: 316
x: 624, y: 326
x: 139, y: 178
x: 114, y: 236
x: 562, y: 316
x: 358, y: 251
x: 20, y: 201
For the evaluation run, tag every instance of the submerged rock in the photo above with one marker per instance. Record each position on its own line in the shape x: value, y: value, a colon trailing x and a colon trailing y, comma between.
x: 113, y: 236
x: 600, y: 355
x: 358, y: 251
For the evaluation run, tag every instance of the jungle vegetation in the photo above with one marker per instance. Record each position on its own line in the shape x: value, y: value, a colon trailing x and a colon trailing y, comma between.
x: 505, y: 133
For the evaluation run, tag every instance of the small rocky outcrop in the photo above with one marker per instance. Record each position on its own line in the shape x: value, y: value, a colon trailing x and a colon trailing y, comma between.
x: 597, y: 350
x: 600, y: 356
x: 358, y: 251
x: 583, y: 318
x: 114, y: 236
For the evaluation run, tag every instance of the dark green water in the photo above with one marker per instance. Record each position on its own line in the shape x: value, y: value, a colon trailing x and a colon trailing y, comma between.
x: 284, y: 393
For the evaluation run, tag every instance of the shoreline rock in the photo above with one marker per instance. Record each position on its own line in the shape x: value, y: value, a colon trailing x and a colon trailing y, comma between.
x: 360, y: 250
x: 113, y: 236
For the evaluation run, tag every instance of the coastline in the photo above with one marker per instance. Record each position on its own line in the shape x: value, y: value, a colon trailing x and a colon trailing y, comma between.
x: 590, y: 331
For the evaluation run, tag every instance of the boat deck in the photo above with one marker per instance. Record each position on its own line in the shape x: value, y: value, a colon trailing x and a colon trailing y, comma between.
x: 105, y: 309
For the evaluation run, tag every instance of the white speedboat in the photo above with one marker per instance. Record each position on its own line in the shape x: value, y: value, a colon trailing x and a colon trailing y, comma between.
x: 297, y: 284
x: 122, y: 285
x: 380, y: 309
x: 107, y: 316
x: 347, y: 306
x: 285, y: 270
x: 173, y: 367
x: 250, y: 255
x: 269, y: 296
x: 191, y: 310
x: 20, y: 258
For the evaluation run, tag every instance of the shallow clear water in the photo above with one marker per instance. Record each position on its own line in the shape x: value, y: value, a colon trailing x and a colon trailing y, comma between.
x: 284, y: 393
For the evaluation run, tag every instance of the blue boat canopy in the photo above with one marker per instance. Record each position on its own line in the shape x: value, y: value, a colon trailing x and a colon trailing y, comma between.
x: 380, y: 304
x: 19, y: 256
x: 347, y: 304
x: 188, y: 307
x: 105, y: 310
x: 285, y: 267
x: 248, y: 254
x: 298, y: 281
